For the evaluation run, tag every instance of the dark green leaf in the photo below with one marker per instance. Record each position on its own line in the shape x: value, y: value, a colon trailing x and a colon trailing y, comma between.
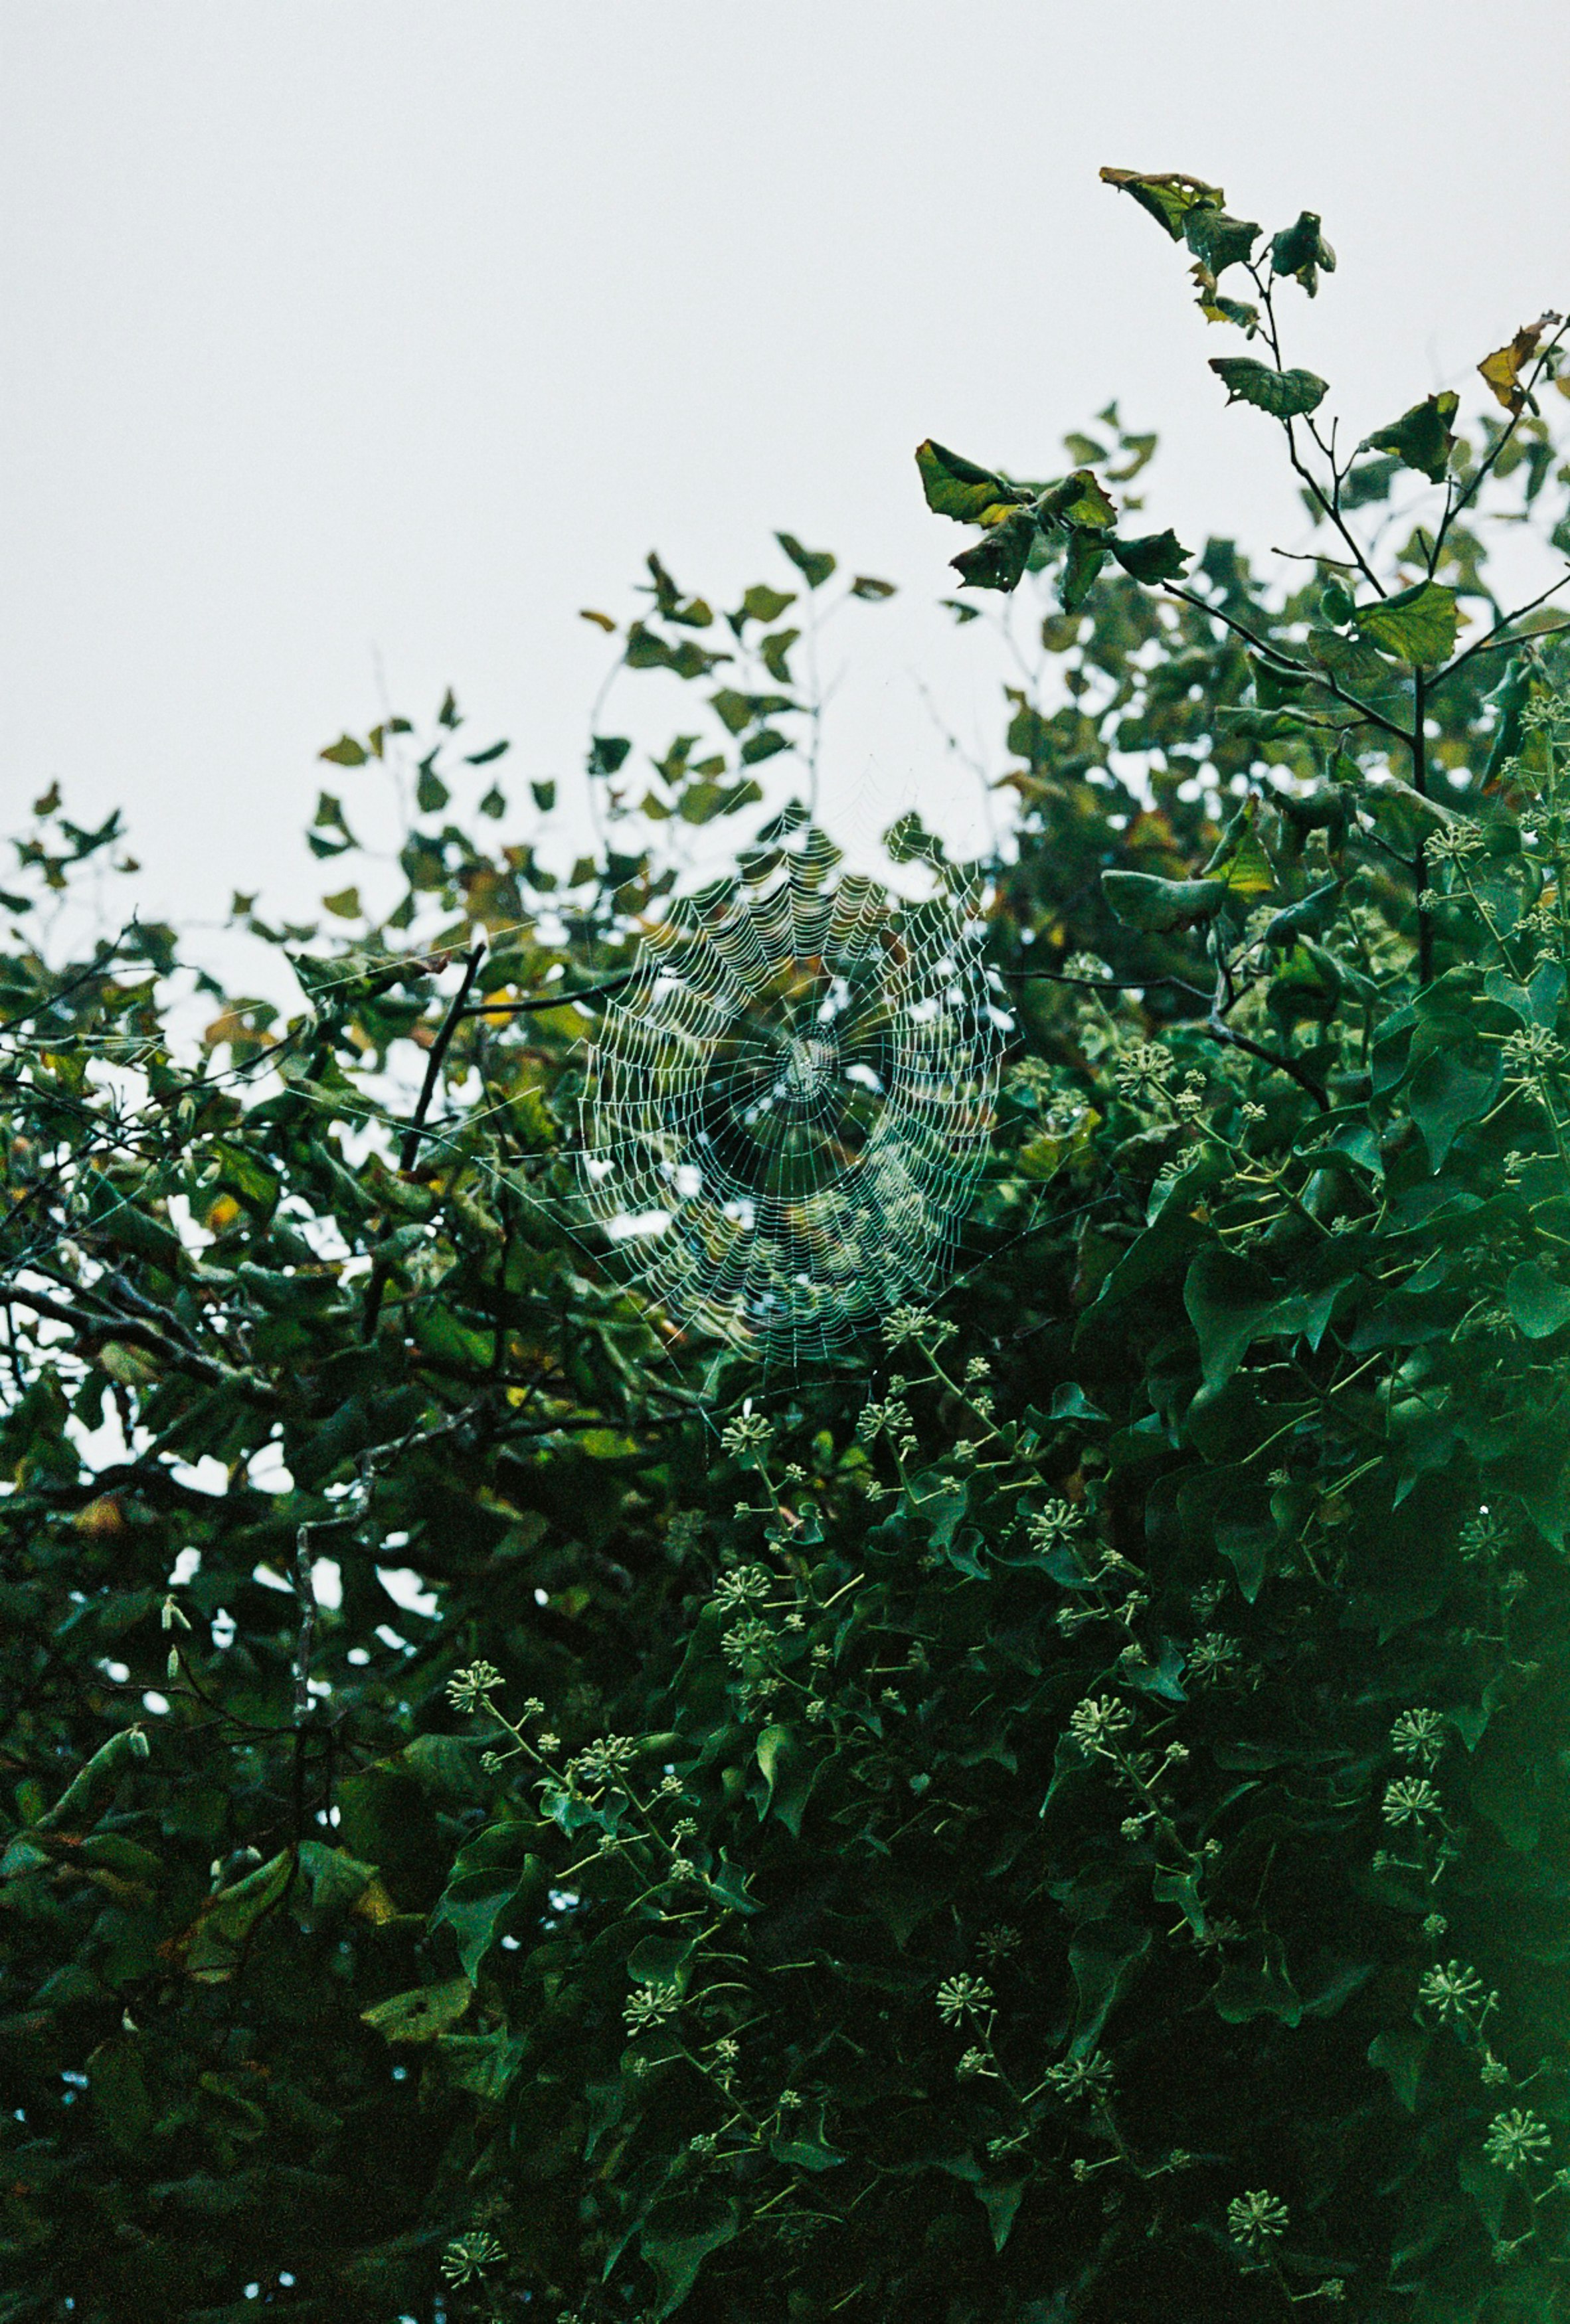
x: 1216, y: 240
x: 997, y: 560
x: 1537, y: 1301
x: 1142, y: 900
x: 1420, y: 438
x: 1154, y: 557
x: 1167, y: 195
x: 1302, y: 251
x: 815, y: 565
x: 1284, y: 394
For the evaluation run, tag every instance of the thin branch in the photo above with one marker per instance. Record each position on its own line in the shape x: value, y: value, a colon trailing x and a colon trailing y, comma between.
x: 1104, y: 983
x: 1495, y: 636
x: 551, y: 999
x: 137, y: 1334
x: 1311, y: 671
x: 1232, y: 1040
x: 410, y: 1150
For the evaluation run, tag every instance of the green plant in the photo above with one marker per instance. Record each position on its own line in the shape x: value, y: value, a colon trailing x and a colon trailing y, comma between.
x: 1053, y: 1813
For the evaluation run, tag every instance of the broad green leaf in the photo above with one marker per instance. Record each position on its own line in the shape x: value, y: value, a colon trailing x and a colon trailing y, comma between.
x: 762, y: 603
x: 421, y: 2014
x: 1401, y: 2054
x: 1154, y: 557
x: 1217, y: 240
x: 1448, y: 1090
x: 1420, y: 438
x: 1336, y: 605
x: 1284, y: 394
x: 1309, y: 917
x: 346, y: 752
x: 788, y: 1772
x: 1417, y: 625
x: 1142, y: 900
x: 1167, y: 195
x: 1105, y: 1961
x: 1257, y: 1988
x: 92, y: 1789
x: 874, y: 591
x: 217, y: 1942
x: 675, y: 2243
x: 493, y: 1876
x: 774, y: 650
x: 997, y: 560
x: 1079, y: 499
x: 956, y: 487
x: 1302, y: 251
x: 1539, y: 1302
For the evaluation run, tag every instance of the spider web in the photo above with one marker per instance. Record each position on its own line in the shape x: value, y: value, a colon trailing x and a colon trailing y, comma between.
x: 786, y: 1107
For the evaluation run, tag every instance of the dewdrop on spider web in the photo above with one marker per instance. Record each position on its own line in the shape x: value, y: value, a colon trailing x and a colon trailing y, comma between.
x: 790, y: 1102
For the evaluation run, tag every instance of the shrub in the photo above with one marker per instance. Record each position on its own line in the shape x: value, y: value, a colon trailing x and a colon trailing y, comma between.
x: 1051, y: 1812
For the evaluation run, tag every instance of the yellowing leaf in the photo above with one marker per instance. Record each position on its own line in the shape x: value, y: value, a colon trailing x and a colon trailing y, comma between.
x: 422, y: 2014
x: 1165, y: 195
x: 956, y: 487
x: 1503, y: 369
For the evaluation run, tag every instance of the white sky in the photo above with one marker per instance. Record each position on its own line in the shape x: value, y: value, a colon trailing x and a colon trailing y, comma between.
x: 347, y: 336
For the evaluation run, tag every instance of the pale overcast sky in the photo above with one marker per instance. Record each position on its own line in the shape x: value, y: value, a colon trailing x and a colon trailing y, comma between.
x: 353, y: 343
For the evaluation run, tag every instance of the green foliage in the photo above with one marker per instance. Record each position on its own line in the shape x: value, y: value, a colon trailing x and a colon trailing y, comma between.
x: 1055, y: 1816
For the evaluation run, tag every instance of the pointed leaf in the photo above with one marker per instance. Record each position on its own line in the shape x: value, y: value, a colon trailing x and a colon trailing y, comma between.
x: 1301, y: 251
x: 997, y: 560
x: 1154, y: 557
x: 1537, y: 1301
x: 1167, y: 195
x: 1284, y: 394
x: 1079, y: 500
x: 421, y: 2014
x: 1142, y: 900
x: 1420, y: 438
x: 1503, y: 369
x: 956, y: 487
x: 1417, y: 625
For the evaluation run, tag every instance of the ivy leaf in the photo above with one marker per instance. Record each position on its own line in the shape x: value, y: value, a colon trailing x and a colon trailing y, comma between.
x: 1301, y: 251
x: 1154, y: 557
x: 1142, y: 900
x: 1417, y: 625
x: 1420, y: 438
x: 1446, y: 1092
x: 1284, y: 394
x: 956, y: 487
x: 1539, y: 1303
x: 997, y: 560
x: 1167, y: 195
x: 1503, y: 369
